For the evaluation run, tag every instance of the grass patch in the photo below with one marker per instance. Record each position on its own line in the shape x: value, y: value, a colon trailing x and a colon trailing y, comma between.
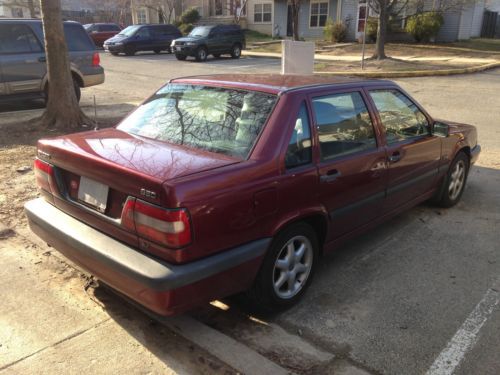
x: 276, y: 48
x: 252, y: 36
x: 479, y: 44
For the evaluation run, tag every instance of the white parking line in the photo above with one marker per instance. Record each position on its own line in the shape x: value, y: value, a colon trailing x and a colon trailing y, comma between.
x: 466, y: 336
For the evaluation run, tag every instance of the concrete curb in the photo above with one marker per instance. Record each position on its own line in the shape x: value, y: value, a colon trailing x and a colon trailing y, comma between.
x: 398, y: 74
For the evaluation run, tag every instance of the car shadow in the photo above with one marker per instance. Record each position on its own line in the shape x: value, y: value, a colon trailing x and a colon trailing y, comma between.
x: 25, y: 105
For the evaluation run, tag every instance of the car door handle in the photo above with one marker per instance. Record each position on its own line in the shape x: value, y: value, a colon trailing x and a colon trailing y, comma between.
x: 42, y: 59
x: 330, y: 176
x: 395, y: 157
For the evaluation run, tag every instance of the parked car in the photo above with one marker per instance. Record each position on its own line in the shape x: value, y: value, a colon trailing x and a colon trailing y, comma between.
x: 23, y: 70
x: 213, y: 40
x: 136, y: 38
x: 220, y: 184
x: 100, y: 32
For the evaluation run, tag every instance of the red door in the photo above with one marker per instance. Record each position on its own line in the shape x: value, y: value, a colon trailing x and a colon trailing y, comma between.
x: 352, y: 167
x: 413, y: 154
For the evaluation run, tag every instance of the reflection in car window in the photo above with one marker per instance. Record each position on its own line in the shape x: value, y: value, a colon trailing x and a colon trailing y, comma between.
x: 18, y: 39
x: 344, y: 125
x: 209, y: 118
x: 130, y: 30
x: 200, y: 31
x: 299, y: 151
x: 400, y: 116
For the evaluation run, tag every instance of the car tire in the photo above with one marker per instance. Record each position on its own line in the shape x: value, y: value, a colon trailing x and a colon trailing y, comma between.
x: 236, y: 51
x: 454, y: 182
x: 157, y: 51
x: 130, y: 51
x: 285, y: 274
x: 114, y: 53
x: 216, y: 55
x: 201, y: 54
x: 180, y: 57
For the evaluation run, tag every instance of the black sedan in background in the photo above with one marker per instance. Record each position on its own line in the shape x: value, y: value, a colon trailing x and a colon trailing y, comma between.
x: 136, y: 38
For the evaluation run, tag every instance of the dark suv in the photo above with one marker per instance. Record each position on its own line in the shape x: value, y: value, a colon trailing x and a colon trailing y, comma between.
x: 23, y: 70
x: 136, y: 38
x: 210, y: 40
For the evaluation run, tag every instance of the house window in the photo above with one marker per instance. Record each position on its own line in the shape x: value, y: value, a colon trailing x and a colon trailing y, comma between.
x: 142, y: 16
x: 17, y: 12
x: 262, y: 13
x: 318, y: 14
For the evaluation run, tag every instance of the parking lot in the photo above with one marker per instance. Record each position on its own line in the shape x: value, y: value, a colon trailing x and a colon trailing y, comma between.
x: 418, y: 294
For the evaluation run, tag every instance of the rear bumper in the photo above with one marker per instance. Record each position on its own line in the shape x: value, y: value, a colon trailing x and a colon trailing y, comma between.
x: 474, y: 153
x: 162, y: 287
x: 93, y: 79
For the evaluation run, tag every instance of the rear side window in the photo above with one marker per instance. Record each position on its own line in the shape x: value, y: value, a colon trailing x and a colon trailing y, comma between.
x: 344, y: 125
x: 18, y: 39
x: 76, y: 38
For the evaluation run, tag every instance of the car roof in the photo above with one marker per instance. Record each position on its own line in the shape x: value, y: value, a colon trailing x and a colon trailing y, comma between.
x: 274, y: 83
x: 29, y: 20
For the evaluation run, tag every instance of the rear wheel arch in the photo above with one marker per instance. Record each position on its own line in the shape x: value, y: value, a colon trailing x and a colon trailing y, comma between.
x: 317, y: 221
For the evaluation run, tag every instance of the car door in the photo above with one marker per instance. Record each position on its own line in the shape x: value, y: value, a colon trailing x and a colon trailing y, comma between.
x: 352, y: 165
x: 23, y: 59
x: 214, y: 41
x: 413, y: 153
x: 143, y: 39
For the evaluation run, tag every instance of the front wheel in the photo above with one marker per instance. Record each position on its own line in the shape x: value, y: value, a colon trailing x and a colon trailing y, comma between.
x: 180, y: 57
x: 454, y: 182
x: 157, y: 51
x: 201, y: 54
x: 130, y: 51
x: 236, y: 51
x: 287, y: 269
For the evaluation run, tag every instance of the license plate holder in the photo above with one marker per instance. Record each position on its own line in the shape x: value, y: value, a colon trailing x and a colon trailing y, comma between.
x: 93, y: 193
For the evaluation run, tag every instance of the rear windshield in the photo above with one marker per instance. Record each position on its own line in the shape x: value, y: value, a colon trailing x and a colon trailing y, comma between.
x: 215, y: 119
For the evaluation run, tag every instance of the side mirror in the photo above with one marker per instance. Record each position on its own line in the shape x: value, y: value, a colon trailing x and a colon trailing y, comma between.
x: 440, y: 129
x: 94, y: 32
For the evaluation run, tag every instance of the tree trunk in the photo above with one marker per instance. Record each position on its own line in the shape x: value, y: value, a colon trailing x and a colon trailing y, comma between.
x: 295, y: 19
x: 62, y: 109
x: 379, y: 53
x: 31, y: 7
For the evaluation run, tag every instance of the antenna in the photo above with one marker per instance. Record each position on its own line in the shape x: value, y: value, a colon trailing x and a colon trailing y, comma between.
x: 95, y: 115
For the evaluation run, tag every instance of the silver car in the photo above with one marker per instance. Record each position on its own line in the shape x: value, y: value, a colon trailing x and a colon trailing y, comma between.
x: 23, y: 69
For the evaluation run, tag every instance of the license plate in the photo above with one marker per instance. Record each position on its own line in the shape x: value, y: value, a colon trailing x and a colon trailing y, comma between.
x: 93, y: 193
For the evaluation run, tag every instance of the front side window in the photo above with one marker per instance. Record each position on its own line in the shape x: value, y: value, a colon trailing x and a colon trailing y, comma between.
x: 215, y: 119
x: 299, y: 151
x: 263, y: 13
x: 143, y: 32
x: 319, y: 14
x: 344, y: 125
x: 400, y: 117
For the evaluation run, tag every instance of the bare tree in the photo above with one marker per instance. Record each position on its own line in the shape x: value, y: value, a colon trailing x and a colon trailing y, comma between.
x: 295, y: 4
x: 62, y: 109
x: 385, y: 8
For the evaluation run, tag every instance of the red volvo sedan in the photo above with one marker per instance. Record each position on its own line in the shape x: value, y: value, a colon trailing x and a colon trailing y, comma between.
x: 222, y: 184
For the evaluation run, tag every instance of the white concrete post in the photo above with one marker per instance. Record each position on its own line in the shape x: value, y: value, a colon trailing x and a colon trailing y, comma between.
x: 297, y: 57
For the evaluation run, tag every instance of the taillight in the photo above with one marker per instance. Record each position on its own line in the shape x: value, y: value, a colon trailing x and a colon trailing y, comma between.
x: 169, y: 227
x: 44, y: 175
x: 96, y: 60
